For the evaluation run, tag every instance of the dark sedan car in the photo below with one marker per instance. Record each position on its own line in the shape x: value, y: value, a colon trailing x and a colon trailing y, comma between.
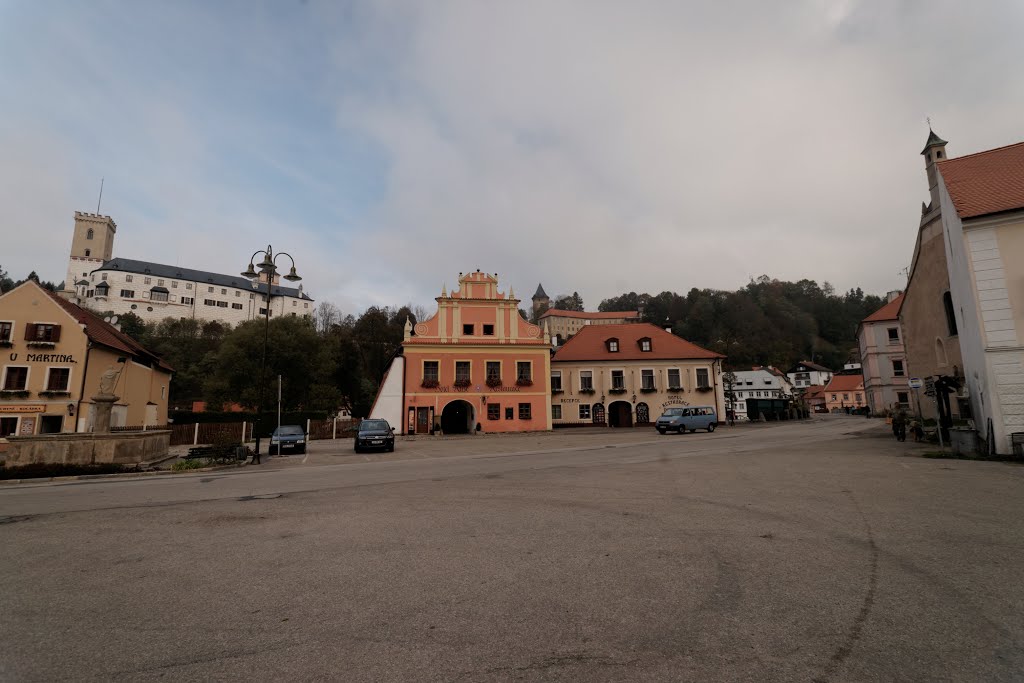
x: 288, y: 438
x: 375, y: 434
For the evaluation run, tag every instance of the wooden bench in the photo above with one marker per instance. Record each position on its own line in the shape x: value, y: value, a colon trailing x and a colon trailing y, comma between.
x: 217, y: 452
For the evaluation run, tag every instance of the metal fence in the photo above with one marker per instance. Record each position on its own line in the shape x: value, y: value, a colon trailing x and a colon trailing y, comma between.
x: 215, y: 433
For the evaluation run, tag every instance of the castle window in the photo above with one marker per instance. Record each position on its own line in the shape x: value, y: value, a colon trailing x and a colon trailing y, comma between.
x: 88, y: 235
x: 467, y: 329
x: 127, y: 278
x: 488, y: 329
x: 88, y: 252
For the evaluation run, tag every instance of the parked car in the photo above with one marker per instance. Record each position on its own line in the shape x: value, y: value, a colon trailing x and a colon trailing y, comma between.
x: 288, y: 438
x: 692, y: 418
x: 375, y: 434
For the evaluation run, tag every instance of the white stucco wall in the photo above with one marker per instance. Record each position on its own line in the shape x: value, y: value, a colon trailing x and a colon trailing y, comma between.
x: 992, y: 354
x: 391, y: 398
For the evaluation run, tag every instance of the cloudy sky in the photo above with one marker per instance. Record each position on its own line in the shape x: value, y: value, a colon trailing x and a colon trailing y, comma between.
x: 598, y: 146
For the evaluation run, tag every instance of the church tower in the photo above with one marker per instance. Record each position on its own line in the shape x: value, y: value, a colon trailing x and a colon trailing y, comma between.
x: 91, y: 245
x: 934, y: 150
x: 541, y: 302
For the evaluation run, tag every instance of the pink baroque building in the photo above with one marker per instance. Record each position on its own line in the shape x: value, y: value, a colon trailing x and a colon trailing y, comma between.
x: 475, y: 365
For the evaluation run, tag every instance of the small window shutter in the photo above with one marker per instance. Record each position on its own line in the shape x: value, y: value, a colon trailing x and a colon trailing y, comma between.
x: 56, y: 334
x: 30, y: 332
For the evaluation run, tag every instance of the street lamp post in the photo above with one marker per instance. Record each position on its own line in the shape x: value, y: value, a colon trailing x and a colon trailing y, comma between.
x: 268, y: 269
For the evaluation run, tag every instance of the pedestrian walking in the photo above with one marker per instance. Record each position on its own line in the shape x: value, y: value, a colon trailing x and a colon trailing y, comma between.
x: 899, y: 426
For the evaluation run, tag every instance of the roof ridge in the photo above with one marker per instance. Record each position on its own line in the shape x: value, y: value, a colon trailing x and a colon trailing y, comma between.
x: 947, y: 160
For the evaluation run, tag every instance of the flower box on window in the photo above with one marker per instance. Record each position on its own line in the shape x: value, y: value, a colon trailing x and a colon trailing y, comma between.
x: 429, y: 383
x: 589, y: 390
x: 676, y: 389
x: 6, y: 344
x: 15, y: 393
x: 462, y: 383
x: 704, y: 388
x: 55, y: 394
x: 647, y: 390
x: 557, y: 391
x: 524, y: 382
x: 41, y: 345
x: 617, y: 390
x: 494, y: 382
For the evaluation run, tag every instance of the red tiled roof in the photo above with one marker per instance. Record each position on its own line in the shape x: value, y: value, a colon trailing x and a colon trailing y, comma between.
x: 102, y: 332
x: 589, y: 344
x: 890, y: 311
x: 845, y: 383
x: 590, y: 316
x: 986, y: 182
x: 815, y: 391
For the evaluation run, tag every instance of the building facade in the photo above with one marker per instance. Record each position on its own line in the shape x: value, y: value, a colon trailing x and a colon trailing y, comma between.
x: 475, y: 365
x: 564, y: 324
x: 55, y: 355
x: 155, y: 291
x: 927, y: 320
x: 845, y: 393
x: 883, y: 358
x: 982, y: 206
x: 623, y: 375
x: 758, y: 384
x: 806, y: 374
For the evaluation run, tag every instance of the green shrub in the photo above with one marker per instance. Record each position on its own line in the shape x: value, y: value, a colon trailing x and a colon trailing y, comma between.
x: 190, y: 464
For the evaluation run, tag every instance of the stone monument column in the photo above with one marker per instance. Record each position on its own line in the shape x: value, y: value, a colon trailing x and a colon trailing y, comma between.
x: 103, y: 402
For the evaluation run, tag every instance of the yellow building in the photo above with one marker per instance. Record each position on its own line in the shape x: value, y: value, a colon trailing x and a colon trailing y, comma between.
x: 55, y: 355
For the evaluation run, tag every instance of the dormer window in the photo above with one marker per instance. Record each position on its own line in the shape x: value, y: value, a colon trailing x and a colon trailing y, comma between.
x: 613, y: 345
x: 645, y: 344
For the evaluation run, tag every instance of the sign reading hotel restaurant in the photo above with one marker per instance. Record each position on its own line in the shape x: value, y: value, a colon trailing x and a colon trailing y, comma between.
x: 22, y: 409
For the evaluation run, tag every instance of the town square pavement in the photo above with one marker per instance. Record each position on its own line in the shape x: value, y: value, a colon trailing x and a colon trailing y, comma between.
x: 804, y: 551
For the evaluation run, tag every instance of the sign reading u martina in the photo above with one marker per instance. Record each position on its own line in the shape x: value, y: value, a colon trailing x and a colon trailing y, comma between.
x: 915, y: 383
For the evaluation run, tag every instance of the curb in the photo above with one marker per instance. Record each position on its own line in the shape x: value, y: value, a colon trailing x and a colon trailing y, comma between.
x: 118, y: 475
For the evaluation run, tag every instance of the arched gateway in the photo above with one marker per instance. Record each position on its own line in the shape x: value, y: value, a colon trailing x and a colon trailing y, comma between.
x: 458, y: 417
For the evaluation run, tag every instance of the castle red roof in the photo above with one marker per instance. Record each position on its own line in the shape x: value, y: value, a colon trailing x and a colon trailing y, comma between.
x: 589, y: 344
x: 987, y: 182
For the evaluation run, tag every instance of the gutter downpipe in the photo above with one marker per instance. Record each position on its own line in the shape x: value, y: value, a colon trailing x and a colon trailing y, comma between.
x: 81, y: 391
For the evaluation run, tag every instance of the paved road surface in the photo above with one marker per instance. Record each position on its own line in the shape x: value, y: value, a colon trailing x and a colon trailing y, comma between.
x: 813, y: 551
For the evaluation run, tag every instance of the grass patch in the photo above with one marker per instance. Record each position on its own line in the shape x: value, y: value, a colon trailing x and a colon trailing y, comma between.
x: 41, y: 470
x: 190, y: 464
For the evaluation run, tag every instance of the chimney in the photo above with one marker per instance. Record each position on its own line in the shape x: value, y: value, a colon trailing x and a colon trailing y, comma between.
x: 891, y: 296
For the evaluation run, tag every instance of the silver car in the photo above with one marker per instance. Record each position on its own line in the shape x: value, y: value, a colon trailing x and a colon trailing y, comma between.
x: 691, y: 418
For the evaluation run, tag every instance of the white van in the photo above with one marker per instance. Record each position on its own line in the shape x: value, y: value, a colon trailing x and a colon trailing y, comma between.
x: 691, y: 418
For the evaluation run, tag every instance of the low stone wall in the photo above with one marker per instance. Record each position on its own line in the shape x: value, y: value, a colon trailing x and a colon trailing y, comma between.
x: 123, y: 448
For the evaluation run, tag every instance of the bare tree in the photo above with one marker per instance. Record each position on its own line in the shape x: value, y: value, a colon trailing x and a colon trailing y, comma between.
x: 325, y: 316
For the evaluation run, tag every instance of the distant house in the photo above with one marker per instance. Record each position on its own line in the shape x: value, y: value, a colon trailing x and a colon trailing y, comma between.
x: 883, y: 358
x: 807, y: 374
x: 814, y: 398
x: 845, y: 392
x: 564, y: 324
x: 627, y: 374
x: 759, y: 383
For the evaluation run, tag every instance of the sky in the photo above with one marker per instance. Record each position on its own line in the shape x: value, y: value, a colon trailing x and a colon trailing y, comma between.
x: 596, y: 146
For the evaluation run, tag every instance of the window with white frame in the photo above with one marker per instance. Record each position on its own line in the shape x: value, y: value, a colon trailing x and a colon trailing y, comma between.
x: 703, y: 381
x: 15, y: 378
x: 493, y: 370
x: 556, y: 412
x: 524, y: 371
x: 897, y: 368
x: 127, y: 278
x: 647, y: 380
x: 462, y: 371
x: 127, y: 293
x: 6, y: 330
x: 618, y: 380
x: 584, y: 411
x: 556, y: 380
x: 587, y: 381
x: 58, y: 379
x: 673, y: 379
x: 430, y: 370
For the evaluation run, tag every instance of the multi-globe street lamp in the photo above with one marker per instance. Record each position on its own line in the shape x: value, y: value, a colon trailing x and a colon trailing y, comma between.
x: 267, y: 271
